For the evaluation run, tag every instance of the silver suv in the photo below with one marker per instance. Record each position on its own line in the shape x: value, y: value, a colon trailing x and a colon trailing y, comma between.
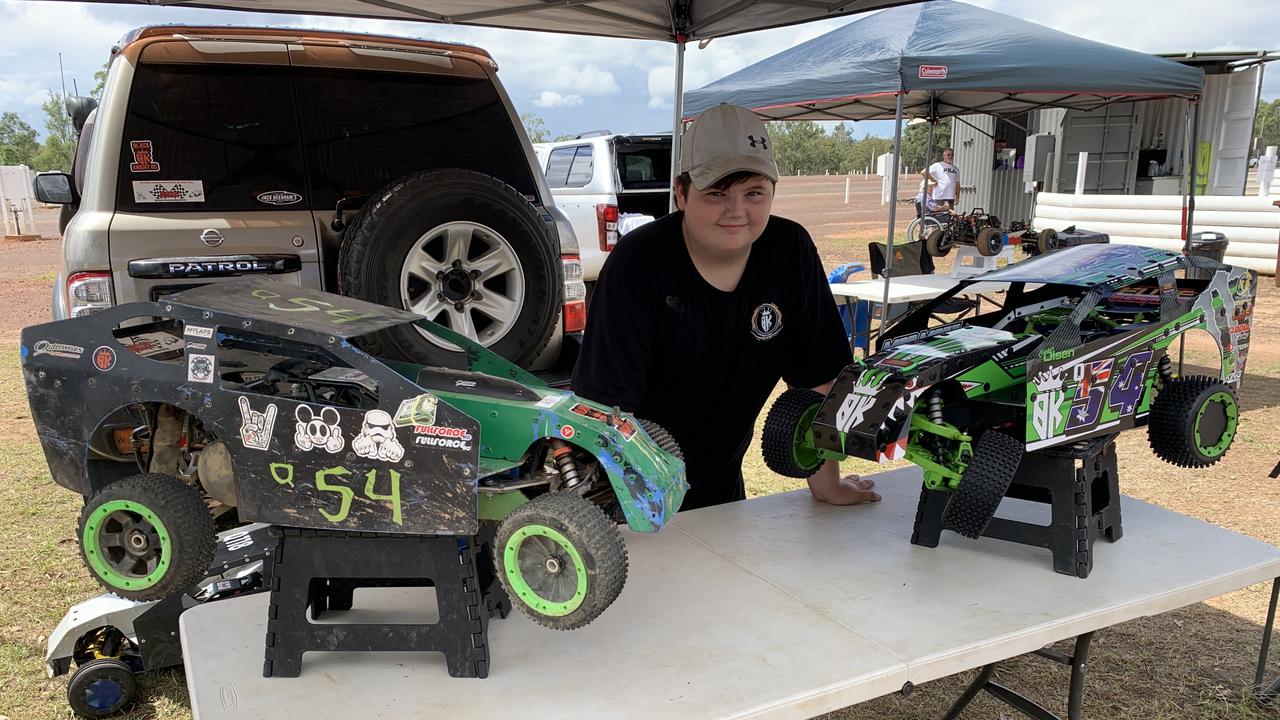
x: 391, y: 170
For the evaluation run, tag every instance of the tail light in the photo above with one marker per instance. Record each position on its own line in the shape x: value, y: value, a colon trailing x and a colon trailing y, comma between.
x: 88, y: 293
x: 607, y: 223
x: 575, y: 295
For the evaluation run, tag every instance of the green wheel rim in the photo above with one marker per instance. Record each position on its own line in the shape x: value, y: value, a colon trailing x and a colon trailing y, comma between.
x: 119, y: 518
x: 1230, y: 415
x: 559, y: 592
x: 805, y: 455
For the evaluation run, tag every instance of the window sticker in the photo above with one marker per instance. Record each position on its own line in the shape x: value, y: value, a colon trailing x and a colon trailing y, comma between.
x: 168, y: 191
x: 279, y: 197
x: 144, y: 157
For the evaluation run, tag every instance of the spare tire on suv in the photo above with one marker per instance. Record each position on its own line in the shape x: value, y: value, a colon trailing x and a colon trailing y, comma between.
x: 462, y: 248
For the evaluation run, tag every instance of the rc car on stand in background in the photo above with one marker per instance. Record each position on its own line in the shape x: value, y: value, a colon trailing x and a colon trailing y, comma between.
x: 942, y: 231
x: 1079, y: 350
x: 254, y: 397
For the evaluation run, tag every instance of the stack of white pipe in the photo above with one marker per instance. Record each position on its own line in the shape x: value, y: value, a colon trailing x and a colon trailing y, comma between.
x: 1251, y: 224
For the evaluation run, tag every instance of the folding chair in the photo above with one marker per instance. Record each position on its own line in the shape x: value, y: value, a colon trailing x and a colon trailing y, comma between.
x: 911, y: 259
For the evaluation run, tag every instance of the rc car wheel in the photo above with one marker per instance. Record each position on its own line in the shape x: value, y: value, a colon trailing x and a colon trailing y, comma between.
x: 662, y: 437
x: 561, y: 561
x: 1047, y: 241
x: 921, y: 227
x: 147, y: 536
x: 782, y: 441
x: 463, y: 249
x: 1193, y: 421
x: 983, y: 484
x: 989, y: 241
x: 101, y: 688
x: 937, y: 244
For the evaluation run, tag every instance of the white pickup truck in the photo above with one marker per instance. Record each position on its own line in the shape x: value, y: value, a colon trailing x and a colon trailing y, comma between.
x: 606, y: 185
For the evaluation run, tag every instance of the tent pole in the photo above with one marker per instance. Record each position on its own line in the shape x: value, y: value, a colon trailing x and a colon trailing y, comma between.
x: 1191, y: 184
x: 893, y: 208
x: 676, y: 126
x: 928, y: 148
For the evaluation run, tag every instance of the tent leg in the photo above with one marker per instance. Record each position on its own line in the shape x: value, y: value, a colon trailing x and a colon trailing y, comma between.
x: 1191, y: 185
x: 893, y: 210
x: 676, y: 125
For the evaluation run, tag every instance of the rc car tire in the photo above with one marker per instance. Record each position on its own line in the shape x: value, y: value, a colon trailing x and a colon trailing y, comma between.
x: 1047, y: 241
x: 937, y: 244
x: 989, y: 241
x: 101, y: 688
x: 147, y: 536
x: 560, y: 560
x: 921, y: 227
x: 463, y: 249
x: 782, y: 441
x: 995, y: 461
x: 663, y: 438
x: 1193, y: 421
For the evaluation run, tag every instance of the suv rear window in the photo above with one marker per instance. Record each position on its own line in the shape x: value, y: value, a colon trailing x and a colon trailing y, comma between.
x: 362, y: 129
x: 644, y: 167
x: 210, y: 138
x: 570, y: 166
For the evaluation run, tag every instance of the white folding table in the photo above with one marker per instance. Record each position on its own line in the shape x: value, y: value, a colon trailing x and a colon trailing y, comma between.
x: 777, y: 607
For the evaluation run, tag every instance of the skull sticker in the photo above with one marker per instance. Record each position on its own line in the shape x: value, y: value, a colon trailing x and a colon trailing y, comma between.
x: 318, y: 430
x: 377, y: 438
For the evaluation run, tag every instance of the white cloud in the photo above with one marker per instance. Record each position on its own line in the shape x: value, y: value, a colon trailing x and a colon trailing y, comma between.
x: 553, y: 99
x: 589, y: 80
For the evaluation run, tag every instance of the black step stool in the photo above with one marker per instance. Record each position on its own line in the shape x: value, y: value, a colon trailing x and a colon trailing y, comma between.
x: 1081, y: 485
x: 317, y: 570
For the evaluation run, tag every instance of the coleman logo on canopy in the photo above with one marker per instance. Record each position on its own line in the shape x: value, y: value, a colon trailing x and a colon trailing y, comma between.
x: 933, y: 72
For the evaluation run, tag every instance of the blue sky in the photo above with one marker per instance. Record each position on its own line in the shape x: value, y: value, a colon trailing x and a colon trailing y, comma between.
x: 577, y: 83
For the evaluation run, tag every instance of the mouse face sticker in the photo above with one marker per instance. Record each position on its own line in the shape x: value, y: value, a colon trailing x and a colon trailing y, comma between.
x: 318, y: 430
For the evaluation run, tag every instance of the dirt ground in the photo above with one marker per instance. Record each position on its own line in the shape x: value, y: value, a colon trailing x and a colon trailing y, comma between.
x: 1190, y: 663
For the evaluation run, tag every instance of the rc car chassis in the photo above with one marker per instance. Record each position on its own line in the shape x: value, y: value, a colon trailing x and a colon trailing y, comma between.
x: 942, y: 231
x: 1079, y: 350
x: 254, y: 399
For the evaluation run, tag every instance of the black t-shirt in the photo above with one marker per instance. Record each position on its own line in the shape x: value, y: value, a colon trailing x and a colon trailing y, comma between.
x: 663, y: 343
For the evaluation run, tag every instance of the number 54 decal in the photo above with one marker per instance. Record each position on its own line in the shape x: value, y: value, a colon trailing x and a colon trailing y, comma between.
x: 1092, y: 379
x: 282, y: 473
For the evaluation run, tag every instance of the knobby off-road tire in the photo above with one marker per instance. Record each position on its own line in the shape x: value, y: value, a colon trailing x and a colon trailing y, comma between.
x: 921, y: 227
x: 147, y: 536
x: 1193, y: 421
x: 101, y: 688
x: 1047, y: 241
x: 663, y: 438
x: 561, y: 561
x: 464, y: 249
x: 990, y: 240
x: 937, y: 244
x: 782, y: 441
x: 982, y: 486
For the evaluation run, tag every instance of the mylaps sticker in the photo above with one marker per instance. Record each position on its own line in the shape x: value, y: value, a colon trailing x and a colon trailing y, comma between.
x: 104, y: 358
x: 144, y: 157
x: 168, y: 191
x: 197, y: 331
x: 933, y: 72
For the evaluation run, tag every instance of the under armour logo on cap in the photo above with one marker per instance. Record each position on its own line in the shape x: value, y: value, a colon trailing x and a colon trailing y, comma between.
x: 764, y: 141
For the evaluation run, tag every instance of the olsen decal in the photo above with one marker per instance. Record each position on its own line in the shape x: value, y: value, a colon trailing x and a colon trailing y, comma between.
x: 377, y: 438
x: 197, y: 331
x: 57, y: 349
x: 442, y: 437
x: 168, y: 191
x: 766, y: 321
x: 200, y: 368
x: 144, y: 157
x: 104, y: 358
x: 320, y: 431
x: 279, y: 197
x: 256, y: 427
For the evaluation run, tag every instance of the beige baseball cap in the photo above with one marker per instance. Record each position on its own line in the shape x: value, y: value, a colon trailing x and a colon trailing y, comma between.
x: 724, y: 140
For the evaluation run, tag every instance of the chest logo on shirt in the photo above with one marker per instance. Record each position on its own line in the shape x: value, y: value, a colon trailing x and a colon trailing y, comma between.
x: 766, y: 321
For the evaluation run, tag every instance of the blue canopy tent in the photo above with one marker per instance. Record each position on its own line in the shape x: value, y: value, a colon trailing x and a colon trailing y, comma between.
x: 943, y: 58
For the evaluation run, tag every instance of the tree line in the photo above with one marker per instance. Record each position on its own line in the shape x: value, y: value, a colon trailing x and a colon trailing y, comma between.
x: 21, y: 145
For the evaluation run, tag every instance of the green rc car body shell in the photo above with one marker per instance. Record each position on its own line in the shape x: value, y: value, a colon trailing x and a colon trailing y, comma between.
x: 318, y: 432
x: 1076, y: 352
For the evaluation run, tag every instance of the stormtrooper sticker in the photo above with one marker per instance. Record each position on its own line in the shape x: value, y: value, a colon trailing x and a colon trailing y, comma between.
x: 320, y: 431
x: 256, y: 427
x: 377, y: 438
x: 766, y: 321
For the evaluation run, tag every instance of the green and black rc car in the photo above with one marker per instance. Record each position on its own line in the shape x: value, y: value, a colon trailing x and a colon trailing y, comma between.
x: 1078, y: 350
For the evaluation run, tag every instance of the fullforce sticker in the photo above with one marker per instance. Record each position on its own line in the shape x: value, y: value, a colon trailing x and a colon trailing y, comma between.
x: 57, y: 349
x: 144, y: 157
x: 168, y: 191
x: 104, y: 358
x: 279, y: 197
x: 442, y: 437
x: 933, y: 72
x: 200, y: 368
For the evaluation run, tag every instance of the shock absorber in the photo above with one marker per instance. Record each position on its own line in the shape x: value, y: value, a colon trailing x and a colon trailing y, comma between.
x: 562, y: 453
x: 1165, y: 368
x: 935, y: 407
